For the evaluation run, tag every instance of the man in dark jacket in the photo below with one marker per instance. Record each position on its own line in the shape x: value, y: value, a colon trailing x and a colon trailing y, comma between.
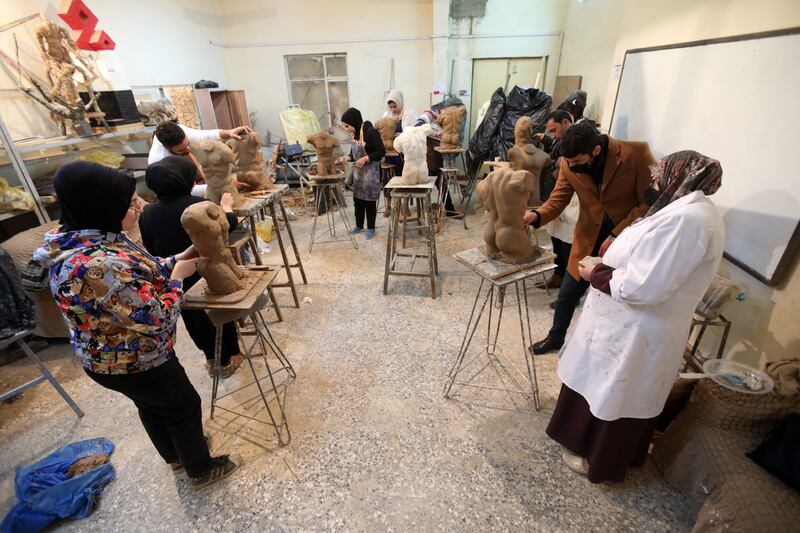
x: 163, y: 235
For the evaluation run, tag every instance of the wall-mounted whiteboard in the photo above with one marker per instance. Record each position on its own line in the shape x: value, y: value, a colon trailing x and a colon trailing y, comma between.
x: 736, y: 100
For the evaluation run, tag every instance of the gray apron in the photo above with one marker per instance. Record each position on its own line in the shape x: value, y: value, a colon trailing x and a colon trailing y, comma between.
x: 366, y: 180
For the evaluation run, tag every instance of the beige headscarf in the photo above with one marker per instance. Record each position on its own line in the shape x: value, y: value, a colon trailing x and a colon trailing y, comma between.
x: 396, y: 97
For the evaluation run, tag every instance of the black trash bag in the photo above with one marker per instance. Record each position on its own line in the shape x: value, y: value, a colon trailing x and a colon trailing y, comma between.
x: 206, y: 84
x: 574, y: 103
x: 16, y: 309
x: 522, y: 102
x: 482, y: 145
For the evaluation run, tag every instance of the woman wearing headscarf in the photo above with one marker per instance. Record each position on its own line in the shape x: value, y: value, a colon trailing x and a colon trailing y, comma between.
x: 624, y: 354
x: 366, y: 151
x: 404, y: 118
x: 163, y: 235
x: 122, y: 305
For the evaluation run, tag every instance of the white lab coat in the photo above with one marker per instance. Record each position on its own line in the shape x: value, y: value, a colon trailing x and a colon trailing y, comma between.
x: 563, y: 226
x: 159, y: 152
x: 625, y: 351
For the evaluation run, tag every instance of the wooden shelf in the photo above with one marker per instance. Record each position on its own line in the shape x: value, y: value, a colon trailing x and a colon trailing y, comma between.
x: 32, y: 149
x: 12, y: 214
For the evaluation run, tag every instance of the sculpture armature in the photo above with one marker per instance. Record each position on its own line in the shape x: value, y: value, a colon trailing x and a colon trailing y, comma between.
x: 153, y: 113
x: 325, y: 144
x: 250, y: 161
x: 505, y: 192
x: 387, y: 126
x: 451, y: 119
x: 207, y: 227
x: 413, y: 144
x: 216, y: 158
x: 523, y: 132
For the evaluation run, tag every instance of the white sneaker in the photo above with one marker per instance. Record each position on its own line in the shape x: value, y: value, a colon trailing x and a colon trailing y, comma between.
x: 575, y: 463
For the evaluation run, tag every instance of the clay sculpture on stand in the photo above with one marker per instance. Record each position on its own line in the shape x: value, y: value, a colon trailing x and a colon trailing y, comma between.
x: 325, y: 144
x: 216, y: 158
x: 413, y: 144
x: 525, y: 156
x: 505, y: 193
x: 207, y: 227
x: 387, y: 127
x: 523, y: 132
x: 250, y: 161
x: 451, y: 119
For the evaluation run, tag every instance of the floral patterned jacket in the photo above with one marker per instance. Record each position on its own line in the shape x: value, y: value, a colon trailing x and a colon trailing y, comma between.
x: 119, y: 303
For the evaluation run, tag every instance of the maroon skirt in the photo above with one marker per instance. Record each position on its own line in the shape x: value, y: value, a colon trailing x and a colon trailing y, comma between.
x: 610, y: 447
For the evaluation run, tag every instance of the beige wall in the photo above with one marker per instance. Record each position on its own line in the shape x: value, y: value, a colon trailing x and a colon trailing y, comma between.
x: 259, y: 33
x: 766, y: 326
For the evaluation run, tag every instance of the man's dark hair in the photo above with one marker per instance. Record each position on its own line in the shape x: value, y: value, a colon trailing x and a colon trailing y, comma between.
x: 579, y: 139
x: 559, y: 115
x: 169, y: 134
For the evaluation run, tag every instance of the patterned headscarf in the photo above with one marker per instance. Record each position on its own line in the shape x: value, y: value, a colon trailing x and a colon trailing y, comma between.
x: 682, y: 173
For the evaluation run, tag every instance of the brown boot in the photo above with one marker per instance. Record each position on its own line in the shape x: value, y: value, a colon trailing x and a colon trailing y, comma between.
x: 553, y: 283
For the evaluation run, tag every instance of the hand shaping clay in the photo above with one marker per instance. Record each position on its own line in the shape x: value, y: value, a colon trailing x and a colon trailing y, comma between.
x: 505, y: 193
x: 523, y: 131
x: 250, y: 161
x: 325, y: 144
x: 451, y: 119
x: 386, y: 127
x: 208, y: 227
x: 215, y: 157
x: 413, y: 144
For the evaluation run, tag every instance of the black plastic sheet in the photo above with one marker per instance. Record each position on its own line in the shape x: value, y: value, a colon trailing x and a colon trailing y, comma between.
x: 522, y: 102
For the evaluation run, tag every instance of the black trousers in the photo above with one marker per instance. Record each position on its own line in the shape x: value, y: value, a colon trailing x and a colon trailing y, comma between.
x: 365, y: 208
x: 170, y: 410
x: 202, y: 332
x: 562, y: 250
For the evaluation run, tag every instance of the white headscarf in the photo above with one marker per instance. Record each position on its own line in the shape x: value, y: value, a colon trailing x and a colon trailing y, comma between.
x: 396, y: 97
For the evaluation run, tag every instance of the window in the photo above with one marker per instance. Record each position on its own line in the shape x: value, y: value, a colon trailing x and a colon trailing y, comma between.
x: 319, y: 83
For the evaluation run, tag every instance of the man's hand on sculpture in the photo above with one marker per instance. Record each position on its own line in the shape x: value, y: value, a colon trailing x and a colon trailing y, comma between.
x: 226, y: 202
x: 240, y: 186
x: 538, y: 137
x: 235, y: 133
x: 362, y: 161
x: 530, y: 216
x: 184, y: 268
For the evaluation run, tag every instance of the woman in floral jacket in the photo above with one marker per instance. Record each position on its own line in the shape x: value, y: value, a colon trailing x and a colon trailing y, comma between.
x: 122, y: 306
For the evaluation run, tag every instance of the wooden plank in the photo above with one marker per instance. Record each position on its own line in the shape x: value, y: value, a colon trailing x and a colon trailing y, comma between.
x: 564, y: 86
x: 494, y: 269
x: 256, y: 279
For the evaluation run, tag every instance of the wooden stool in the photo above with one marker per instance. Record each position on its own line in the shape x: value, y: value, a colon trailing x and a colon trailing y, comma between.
x: 237, y: 241
x: 387, y: 173
x: 448, y: 176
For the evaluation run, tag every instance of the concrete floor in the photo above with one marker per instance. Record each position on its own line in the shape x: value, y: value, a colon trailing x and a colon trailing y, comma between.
x: 375, y: 446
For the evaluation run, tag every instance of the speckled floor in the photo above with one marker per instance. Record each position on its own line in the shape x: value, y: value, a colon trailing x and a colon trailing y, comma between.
x: 375, y: 446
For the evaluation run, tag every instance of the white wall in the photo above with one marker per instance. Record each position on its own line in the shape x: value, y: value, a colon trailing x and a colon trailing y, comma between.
x: 258, y: 34
x: 598, y: 32
x: 158, y: 42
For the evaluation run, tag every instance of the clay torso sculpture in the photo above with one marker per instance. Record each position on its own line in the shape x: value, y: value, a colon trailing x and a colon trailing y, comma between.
x: 525, y: 156
x: 451, y: 119
x: 413, y: 144
x: 505, y: 193
x: 325, y: 144
x: 387, y: 126
x: 250, y: 162
x: 215, y: 157
x: 208, y: 227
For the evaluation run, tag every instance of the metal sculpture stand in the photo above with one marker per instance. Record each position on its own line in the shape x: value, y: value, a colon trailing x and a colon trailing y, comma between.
x: 450, y: 160
x: 329, y: 187
x: 403, y: 195
x: 499, y: 276
x: 274, y: 196
x: 19, y: 340
x: 271, y: 394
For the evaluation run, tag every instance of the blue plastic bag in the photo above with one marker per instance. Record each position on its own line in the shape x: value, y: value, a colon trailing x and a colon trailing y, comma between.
x: 46, y: 492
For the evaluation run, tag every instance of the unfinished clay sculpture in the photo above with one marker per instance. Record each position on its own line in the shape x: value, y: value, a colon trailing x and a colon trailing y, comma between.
x: 533, y: 160
x: 451, y: 119
x: 413, y: 144
x: 216, y: 158
x: 325, y: 144
x: 207, y: 226
x: 153, y: 113
x: 250, y: 161
x: 523, y: 131
x: 387, y: 126
x: 505, y: 193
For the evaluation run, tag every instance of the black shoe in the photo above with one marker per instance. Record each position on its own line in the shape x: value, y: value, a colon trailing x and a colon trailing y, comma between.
x: 546, y: 345
x: 221, y: 467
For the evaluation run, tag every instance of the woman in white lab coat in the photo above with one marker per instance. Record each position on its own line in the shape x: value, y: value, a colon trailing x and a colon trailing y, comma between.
x: 624, y: 354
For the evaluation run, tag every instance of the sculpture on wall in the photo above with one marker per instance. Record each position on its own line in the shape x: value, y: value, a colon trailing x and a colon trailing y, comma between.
x: 413, y: 144
x: 325, y: 144
x: 451, y: 119
x: 153, y: 113
x: 216, y: 158
x: 505, y: 193
x: 207, y: 227
x: 523, y: 132
x: 387, y: 127
x: 250, y: 161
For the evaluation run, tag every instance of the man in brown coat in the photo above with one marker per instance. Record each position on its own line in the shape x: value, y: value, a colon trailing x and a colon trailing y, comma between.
x: 609, y: 177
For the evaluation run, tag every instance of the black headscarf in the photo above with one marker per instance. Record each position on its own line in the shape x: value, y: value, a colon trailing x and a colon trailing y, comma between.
x: 93, y: 196
x: 352, y: 117
x: 172, y: 177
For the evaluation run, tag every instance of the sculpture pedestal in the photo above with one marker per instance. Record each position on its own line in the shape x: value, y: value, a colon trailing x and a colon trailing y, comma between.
x: 499, y: 276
